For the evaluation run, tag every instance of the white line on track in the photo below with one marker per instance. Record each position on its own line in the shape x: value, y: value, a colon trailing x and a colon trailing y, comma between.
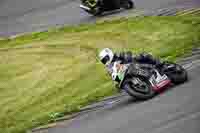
x: 192, y: 65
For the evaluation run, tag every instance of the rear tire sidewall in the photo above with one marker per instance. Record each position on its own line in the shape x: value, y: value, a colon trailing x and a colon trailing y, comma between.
x: 127, y: 4
x: 140, y: 96
x: 97, y: 11
x: 178, y: 77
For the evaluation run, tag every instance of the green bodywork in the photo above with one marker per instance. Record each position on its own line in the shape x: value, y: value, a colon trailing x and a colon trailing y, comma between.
x: 121, y: 75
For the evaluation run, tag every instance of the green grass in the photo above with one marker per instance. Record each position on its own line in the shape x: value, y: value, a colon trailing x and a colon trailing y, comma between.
x: 46, y: 75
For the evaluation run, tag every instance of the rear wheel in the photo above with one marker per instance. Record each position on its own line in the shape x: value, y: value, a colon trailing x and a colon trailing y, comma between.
x: 96, y: 11
x: 177, y: 74
x: 128, y: 4
x: 139, y: 88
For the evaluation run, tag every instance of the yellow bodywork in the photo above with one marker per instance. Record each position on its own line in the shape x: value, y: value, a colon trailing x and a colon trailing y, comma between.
x: 92, y: 3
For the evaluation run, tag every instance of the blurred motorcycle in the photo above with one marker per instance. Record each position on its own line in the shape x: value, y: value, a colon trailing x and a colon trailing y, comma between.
x: 97, y: 7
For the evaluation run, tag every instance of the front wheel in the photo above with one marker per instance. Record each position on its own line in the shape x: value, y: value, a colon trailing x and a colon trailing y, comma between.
x: 139, y: 88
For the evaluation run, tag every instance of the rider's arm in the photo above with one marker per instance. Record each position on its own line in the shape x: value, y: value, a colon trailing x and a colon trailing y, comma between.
x: 124, y: 57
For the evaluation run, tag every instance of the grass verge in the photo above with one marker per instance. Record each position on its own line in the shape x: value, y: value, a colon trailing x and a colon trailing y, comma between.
x: 46, y: 75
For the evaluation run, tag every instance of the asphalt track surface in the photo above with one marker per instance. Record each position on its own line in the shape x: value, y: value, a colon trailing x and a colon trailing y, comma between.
x: 19, y: 16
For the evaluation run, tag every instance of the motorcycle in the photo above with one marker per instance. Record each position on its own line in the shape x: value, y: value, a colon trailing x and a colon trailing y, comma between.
x: 97, y: 7
x: 144, y: 81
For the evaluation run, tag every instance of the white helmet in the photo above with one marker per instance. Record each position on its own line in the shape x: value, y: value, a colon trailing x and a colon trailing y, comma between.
x: 106, y: 56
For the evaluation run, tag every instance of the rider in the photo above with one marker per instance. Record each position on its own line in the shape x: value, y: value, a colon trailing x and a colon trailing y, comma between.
x: 108, y: 57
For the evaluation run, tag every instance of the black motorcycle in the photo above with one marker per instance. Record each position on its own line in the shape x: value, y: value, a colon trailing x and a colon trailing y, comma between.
x: 97, y: 7
x: 143, y: 81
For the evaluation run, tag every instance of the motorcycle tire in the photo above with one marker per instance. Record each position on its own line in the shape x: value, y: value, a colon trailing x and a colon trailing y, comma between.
x: 138, y: 93
x: 128, y: 4
x: 96, y: 12
x: 178, y: 75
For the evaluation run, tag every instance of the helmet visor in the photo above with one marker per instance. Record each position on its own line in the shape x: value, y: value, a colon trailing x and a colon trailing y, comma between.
x: 105, y: 59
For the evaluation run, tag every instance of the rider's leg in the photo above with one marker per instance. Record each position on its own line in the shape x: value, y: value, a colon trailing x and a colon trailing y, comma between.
x: 148, y: 58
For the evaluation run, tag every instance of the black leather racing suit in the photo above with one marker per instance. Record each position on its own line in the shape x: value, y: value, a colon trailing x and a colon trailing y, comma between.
x: 127, y: 57
x: 143, y: 58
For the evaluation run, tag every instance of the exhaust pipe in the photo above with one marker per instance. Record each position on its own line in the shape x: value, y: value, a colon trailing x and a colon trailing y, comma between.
x: 85, y: 7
